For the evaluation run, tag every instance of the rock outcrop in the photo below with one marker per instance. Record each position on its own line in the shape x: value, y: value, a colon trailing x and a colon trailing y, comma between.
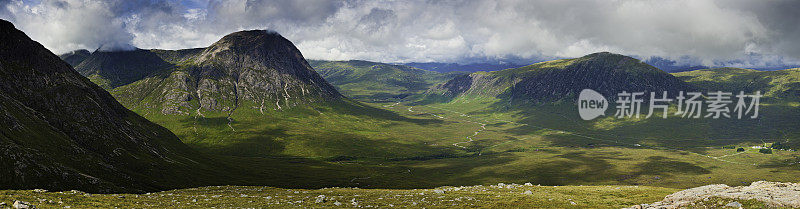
x: 772, y: 194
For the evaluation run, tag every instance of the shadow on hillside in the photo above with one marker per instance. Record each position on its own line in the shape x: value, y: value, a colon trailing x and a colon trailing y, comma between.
x: 658, y: 165
x: 355, y: 108
x: 576, y: 167
x: 346, y: 146
x: 774, y: 122
x: 243, y: 143
x: 570, y: 168
x: 789, y: 164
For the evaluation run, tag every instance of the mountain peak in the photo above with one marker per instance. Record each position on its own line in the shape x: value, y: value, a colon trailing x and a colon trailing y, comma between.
x: 252, y: 33
x: 251, y: 37
x: 608, y: 56
x: 246, y: 53
x: 251, y: 42
x: 596, y: 54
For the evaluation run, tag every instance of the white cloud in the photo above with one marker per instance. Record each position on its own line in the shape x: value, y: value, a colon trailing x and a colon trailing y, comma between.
x: 706, y: 31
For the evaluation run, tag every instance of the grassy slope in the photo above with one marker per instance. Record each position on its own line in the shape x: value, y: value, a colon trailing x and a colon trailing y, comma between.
x: 780, y: 85
x: 474, y: 197
x: 377, y: 81
x: 781, y: 90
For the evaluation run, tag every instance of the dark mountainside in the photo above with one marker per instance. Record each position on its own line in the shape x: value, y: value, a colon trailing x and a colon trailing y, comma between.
x: 60, y: 131
x: 74, y: 58
x: 563, y: 80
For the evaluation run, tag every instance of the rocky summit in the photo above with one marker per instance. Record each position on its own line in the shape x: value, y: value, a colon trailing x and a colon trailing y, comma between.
x: 60, y: 131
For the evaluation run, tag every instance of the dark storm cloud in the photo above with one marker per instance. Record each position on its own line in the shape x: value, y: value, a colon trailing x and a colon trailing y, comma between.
x: 741, y: 33
x: 377, y: 18
x: 782, y: 20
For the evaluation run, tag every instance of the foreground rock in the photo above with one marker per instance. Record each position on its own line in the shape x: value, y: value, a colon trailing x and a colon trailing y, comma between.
x: 773, y: 194
x: 22, y: 205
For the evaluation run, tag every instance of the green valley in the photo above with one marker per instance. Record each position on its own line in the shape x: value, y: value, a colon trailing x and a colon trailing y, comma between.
x: 371, y: 81
x: 475, y: 129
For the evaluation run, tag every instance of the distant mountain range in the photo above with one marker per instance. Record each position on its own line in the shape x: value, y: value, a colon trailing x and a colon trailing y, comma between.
x: 455, y: 67
x: 366, y: 80
x: 664, y: 64
x: 561, y: 80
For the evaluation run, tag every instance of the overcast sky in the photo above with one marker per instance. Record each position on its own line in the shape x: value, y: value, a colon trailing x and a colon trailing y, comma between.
x: 714, y: 33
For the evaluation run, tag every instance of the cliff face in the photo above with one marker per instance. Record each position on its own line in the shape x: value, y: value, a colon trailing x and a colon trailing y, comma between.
x: 556, y: 80
x: 61, y: 131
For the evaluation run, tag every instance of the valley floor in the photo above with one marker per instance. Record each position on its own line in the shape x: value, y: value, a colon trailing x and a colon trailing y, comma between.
x: 460, y: 144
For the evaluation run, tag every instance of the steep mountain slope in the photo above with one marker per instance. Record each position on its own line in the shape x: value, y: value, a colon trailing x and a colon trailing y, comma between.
x: 377, y: 81
x: 774, y: 85
x: 74, y: 58
x: 60, y: 131
x: 562, y: 80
